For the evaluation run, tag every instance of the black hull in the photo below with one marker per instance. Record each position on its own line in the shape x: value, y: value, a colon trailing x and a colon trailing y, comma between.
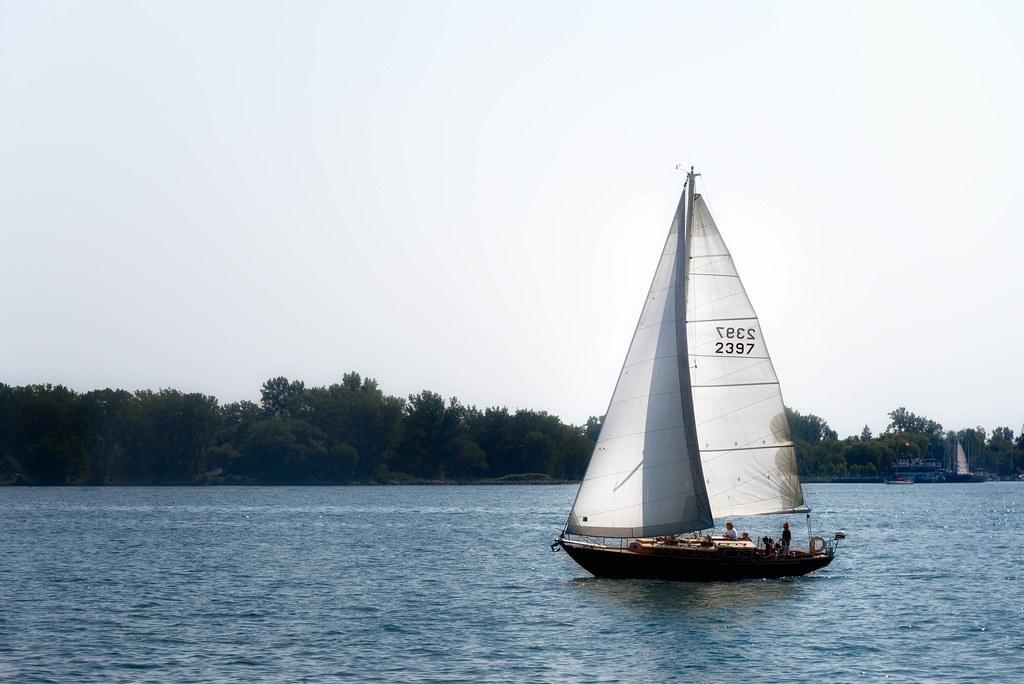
x: 621, y: 564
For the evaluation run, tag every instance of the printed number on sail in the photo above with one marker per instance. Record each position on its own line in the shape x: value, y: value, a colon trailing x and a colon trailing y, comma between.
x: 736, y: 333
x: 735, y: 347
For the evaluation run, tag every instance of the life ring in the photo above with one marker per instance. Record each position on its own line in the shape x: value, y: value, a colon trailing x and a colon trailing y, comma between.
x: 817, y: 545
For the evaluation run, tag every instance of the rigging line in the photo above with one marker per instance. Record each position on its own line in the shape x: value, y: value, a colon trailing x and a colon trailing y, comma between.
x: 707, y: 204
x: 713, y: 275
x: 693, y: 306
x: 713, y: 320
x: 762, y: 400
x: 705, y: 385
x: 773, y: 471
x: 754, y: 357
x: 627, y: 506
x: 747, y: 502
x: 652, y: 394
x: 757, y: 364
x: 645, y: 432
x: 764, y: 441
x: 705, y: 260
x: 750, y: 368
x: 721, y: 380
x: 697, y: 273
x: 628, y: 475
x: 656, y: 323
x: 776, y: 445
x: 733, y: 488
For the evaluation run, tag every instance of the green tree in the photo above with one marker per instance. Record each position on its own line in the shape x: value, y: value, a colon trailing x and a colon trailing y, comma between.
x: 435, y: 440
x: 239, y: 412
x: 109, y: 419
x: 45, y: 435
x: 9, y: 466
x: 281, y: 397
x: 1000, y: 452
x: 809, y: 428
x: 492, y: 431
x: 357, y: 414
x: 905, y: 421
x: 171, y: 436
x: 285, y: 451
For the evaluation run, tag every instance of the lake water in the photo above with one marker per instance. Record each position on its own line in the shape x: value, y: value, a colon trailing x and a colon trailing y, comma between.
x: 442, y: 584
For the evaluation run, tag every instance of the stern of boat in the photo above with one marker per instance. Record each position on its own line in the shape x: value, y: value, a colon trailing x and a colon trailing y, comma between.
x: 832, y: 544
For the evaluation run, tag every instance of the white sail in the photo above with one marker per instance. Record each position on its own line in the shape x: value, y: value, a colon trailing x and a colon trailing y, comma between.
x: 643, y: 478
x: 961, y: 460
x: 747, y: 454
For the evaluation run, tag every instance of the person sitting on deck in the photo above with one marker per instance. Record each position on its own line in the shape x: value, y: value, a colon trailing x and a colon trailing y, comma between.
x: 769, y: 547
x: 730, y: 531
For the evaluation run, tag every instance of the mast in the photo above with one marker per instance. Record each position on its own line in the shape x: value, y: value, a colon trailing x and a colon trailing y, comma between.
x: 682, y: 352
x: 691, y: 179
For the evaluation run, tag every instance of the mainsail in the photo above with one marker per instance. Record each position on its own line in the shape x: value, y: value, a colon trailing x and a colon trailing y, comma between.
x: 644, y: 477
x: 696, y: 427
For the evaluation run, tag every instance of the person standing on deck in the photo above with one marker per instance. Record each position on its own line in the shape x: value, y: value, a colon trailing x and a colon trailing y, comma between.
x: 786, y: 537
x: 730, y: 531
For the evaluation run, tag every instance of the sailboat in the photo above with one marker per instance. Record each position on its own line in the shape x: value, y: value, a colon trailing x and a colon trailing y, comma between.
x: 695, y: 431
x: 961, y: 471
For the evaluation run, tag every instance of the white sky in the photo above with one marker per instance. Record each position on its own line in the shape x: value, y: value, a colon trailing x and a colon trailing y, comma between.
x: 471, y: 197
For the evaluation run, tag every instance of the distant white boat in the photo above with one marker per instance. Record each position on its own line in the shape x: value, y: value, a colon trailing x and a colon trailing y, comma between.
x: 961, y: 471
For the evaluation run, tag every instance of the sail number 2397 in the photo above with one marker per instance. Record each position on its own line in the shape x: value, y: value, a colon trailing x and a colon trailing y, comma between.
x: 739, y: 340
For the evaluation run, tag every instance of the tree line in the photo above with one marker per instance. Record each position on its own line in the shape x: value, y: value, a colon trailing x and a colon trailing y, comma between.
x: 352, y: 432
x: 348, y: 432
x: 821, y: 454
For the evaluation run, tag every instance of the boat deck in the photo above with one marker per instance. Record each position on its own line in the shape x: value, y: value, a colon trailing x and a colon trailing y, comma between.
x: 705, y: 547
